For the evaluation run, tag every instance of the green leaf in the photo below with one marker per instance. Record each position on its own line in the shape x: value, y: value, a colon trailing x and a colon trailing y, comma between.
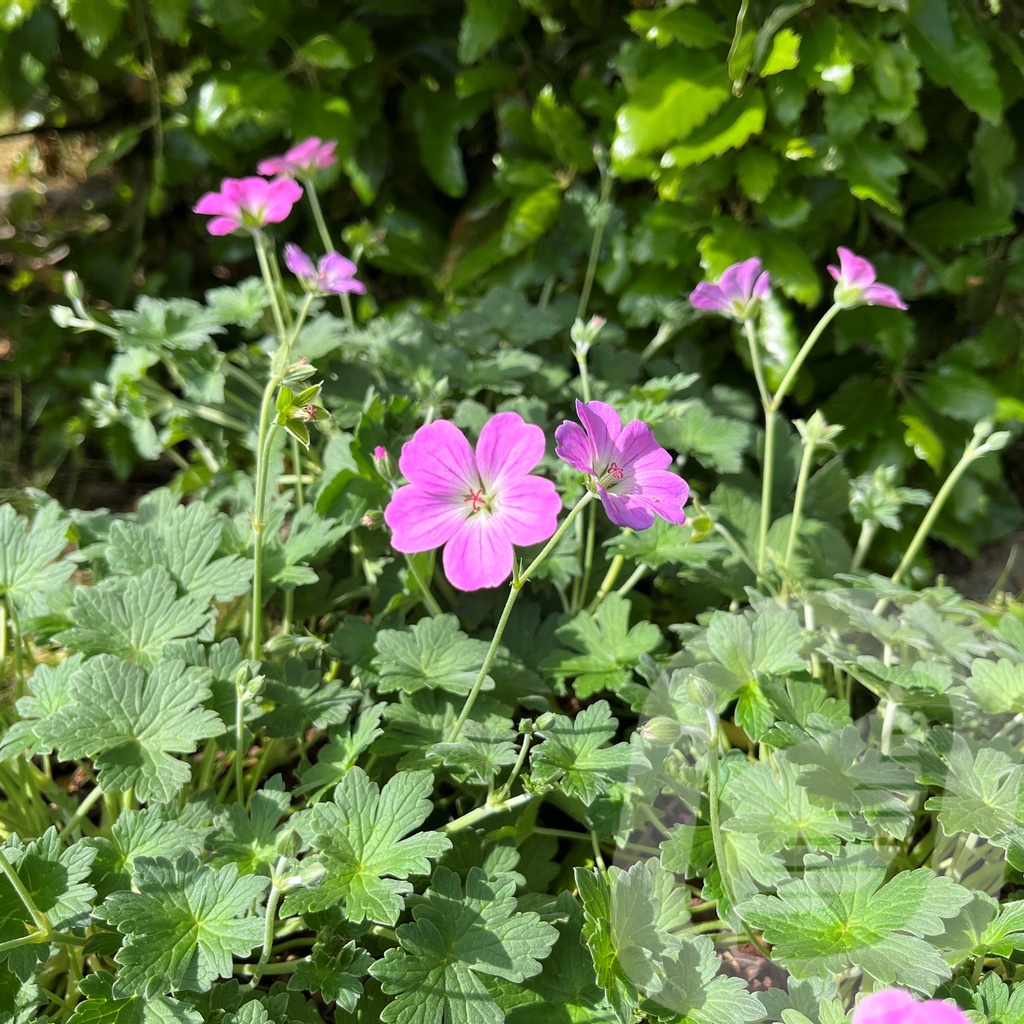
x: 359, y: 839
x: 434, y: 654
x: 602, y: 649
x: 480, y: 753
x: 437, y: 118
x: 564, y: 130
x: 718, y: 442
x: 55, y: 880
x: 94, y: 21
x: 841, y: 771
x: 247, y: 837
x: 670, y: 92
x: 983, y: 928
x: 130, y: 722
x: 873, y: 169
x: 840, y: 915
x: 453, y: 943
x: 767, y: 643
x: 956, y: 224
x: 242, y: 304
x: 338, y: 977
x: 166, y: 324
x: 51, y: 690
x: 728, y: 128
x: 170, y: 16
x: 339, y: 754
x: 530, y: 217
x: 954, y: 54
x: 784, y: 54
x: 999, y: 685
x: 573, y: 754
x: 183, y: 539
x: 757, y: 170
x: 622, y: 931
x: 27, y: 553
x: 768, y: 802
x: 661, y: 544
x: 99, y: 1006
x: 133, y: 617
x: 484, y: 24
x: 925, y: 442
x: 145, y: 833
x: 183, y: 925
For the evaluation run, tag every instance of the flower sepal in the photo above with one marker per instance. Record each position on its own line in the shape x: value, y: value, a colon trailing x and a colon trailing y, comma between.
x: 295, y: 410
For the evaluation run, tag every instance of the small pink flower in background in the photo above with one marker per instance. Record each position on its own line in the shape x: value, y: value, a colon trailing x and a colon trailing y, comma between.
x: 301, y: 161
x: 478, y: 505
x: 630, y: 467
x: 737, y: 294
x: 894, y: 1006
x: 855, y: 283
x: 333, y: 273
x: 245, y: 204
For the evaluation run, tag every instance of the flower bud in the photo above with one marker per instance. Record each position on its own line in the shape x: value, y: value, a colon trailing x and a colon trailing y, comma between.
x: 73, y: 286
x: 660, y: 729
x: 288, y: 843
x: 382, y: 460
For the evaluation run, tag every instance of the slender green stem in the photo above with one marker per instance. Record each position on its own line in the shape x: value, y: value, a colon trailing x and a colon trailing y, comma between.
x: 268, y: 927
x: 504, y: 791
x: 261, y: 243
x: 805, y: 351
x: 300, y: 490
x: 3, y: 640
x: 287, y: 967
x: 240, y: 701
x: 39, y: 919
x: 595, y: 247
x: 588, y: 558
x: 518, y: 582
x: 428, y: 598
x: 19, y: 669
x: 581, y: 362
x: 80, y: 812
x: 608, y: 582
x: 325, y: 238
x: 888, y: 722
x: 798, y: 501
x: 755, y: 361
x: 767, y: 481
x: 492, y: 807
x: 868, y: 529
x: 634, y: 578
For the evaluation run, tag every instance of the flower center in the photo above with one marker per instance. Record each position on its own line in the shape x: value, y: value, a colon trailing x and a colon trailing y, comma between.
x: 478, y: 500
x: 616, y: 471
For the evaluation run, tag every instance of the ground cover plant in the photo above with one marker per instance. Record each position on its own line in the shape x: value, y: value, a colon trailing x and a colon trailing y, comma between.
x: 482, y: 669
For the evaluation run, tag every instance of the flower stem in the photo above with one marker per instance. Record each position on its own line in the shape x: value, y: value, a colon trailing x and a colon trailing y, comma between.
x: 634, y: 578
x: 493, y: 806
x: 805, y: 351
x: 519, y: 580
x: 39, y: 919
x: 595, y: 247
x: 798, y: 501
x: 607, y: 583
x: 275, y: 299
x: 325, y: 238
x: 268, y: 927
x: 868, y: 529
x: 767, y: 474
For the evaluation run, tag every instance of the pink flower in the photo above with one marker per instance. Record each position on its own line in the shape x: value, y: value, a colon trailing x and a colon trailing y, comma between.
x: 301, y: 161
x: 893, y: 1006
x: 855, y: 283
x: 477, y: 505
x: 737, y: 294
x: 628, y: 463
x: 333, y: 273
x: 245, y: 204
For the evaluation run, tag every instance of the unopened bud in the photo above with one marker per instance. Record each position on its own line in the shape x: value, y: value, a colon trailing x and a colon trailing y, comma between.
x: 73, y: 286
x: 660, y: 729
x: 382, y: 460
x: 584, y: 335
x: 373, y: 519
x: 288, y: 843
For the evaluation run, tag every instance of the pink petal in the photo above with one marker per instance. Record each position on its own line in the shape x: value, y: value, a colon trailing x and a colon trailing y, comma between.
x: 336, y: 274
x: 325, y: 155
x: 273, y: 165
x: 248, y: 193
x: 303, y: 153
x: 856, y: 271
x: 637, y: 448
x: 887, y: 1007
x: 478, y: 555
x: 420, y: 521
x: 738, y: 280
x: 625, y: 510
x: 215, y: 203
x: 223, y: 225
x: 664, y: 494
x: 709, y: 297
x: 937, y: 1011
x: 604, y: 425
x: 761, y: 286
x: 298, y: 262
x: 573, y: 446
x: 279, y: 198
x: 883, y: 295
x: 526, y: 510
x: 508, y: 448
x: 439, y: 459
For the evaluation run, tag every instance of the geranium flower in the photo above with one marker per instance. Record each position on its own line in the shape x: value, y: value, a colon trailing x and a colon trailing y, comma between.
x: 855, y: 283
x: 301, y: 161
x: 477, y: 505
x: 628, y: 464
x: 893, y: 1006
x: 737, y: 294
x: 245, y: 204
x: 333, y: 273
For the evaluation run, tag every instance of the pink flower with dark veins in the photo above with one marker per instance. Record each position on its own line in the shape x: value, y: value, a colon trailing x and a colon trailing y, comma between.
x: 894, y: 1006
x: 333, y: 273
x: 855, y: 283
x: 628, y: 465
x: 738, y: 292
x: 247, y: 204
x: 480, y: 505
x: 301, y: 161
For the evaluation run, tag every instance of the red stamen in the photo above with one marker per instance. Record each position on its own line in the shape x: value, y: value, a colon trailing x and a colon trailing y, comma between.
x: 616, y: 471
x: 477, y: 498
